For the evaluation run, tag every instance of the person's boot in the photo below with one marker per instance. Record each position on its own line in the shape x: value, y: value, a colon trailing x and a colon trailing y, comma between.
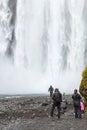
x: 76, y: 116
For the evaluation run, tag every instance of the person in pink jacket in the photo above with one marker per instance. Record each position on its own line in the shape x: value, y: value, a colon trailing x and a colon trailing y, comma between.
x: 82, y: 106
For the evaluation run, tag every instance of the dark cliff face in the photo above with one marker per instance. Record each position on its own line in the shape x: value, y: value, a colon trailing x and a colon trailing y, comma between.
x: 12, y: 4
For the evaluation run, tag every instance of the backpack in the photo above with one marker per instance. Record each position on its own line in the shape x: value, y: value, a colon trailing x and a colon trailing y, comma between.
x: 57, y: 97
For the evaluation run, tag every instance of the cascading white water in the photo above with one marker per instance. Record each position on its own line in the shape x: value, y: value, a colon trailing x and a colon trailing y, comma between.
x: 50, y: 45
x: 5, y: 31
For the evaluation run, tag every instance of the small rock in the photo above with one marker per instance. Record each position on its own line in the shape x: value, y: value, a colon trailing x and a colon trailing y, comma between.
x: 44, y: 104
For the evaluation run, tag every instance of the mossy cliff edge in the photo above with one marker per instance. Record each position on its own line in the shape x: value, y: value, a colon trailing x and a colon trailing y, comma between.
x: 83, y: 87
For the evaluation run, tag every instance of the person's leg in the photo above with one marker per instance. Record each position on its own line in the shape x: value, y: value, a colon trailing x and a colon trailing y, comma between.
x: 52, y: 110
x: 51, y: 94
x: 58, y: 108
x: 76, y: 112
x: 79, y: 112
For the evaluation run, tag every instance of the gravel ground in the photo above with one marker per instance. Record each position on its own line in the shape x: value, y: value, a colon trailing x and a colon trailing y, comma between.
x: 33, y: 114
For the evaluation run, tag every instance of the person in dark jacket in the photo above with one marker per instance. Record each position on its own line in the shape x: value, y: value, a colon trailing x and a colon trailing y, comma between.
x: 57, y: 99
x: 51, y: 89
x: 76, y: 104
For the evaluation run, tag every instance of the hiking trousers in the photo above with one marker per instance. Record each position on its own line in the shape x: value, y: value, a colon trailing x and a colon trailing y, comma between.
x: 77, y: 112
x: 51, y: 93
x: 53, y: 108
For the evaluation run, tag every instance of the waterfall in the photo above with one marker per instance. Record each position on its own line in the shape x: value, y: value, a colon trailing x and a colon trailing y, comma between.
x: 42, y: 42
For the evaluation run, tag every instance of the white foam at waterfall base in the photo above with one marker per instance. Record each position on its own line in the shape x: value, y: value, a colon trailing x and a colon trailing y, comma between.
x: 14, y: 80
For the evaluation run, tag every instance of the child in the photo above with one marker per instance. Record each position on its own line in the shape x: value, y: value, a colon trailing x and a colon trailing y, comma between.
x: 63, y: 105
x: 82, y: 106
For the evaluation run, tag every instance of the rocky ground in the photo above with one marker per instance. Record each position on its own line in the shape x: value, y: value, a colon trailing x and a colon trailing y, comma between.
x: 32, y: 113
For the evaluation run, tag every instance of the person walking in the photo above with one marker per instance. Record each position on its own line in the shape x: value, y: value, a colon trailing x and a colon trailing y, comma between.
x: 57, y: 99
x: 76, y: 104
x: 51, y: 89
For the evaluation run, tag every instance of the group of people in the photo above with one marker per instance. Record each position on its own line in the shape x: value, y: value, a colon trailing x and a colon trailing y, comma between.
x: 60, y: 102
